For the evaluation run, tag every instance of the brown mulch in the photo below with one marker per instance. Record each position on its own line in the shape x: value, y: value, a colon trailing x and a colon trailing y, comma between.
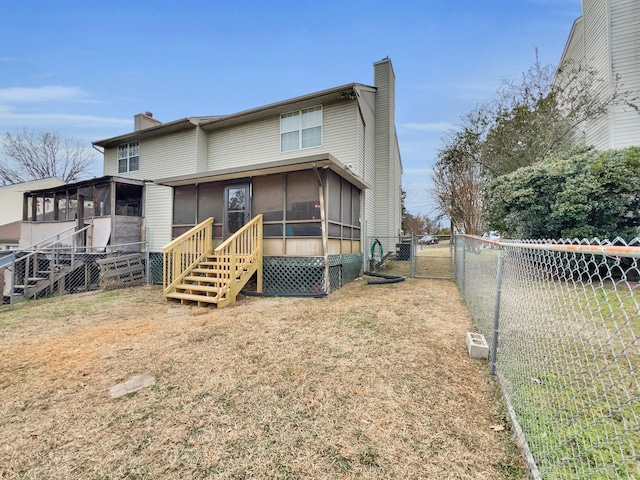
x: 372, y: 381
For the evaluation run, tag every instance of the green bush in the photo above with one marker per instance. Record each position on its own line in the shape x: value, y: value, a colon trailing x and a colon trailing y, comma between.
x: 579, y: 195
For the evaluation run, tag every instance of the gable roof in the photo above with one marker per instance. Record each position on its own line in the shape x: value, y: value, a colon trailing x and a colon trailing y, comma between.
x: 210, y: 123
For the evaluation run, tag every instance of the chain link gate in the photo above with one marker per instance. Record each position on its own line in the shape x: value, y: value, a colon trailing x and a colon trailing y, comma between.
x: 433, y: 257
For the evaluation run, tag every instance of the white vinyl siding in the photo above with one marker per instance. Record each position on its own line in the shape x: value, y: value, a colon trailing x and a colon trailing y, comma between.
x: 596, y: 20
x: 158, y: 208
x: 573, y: 59
x: 625, y: 60
x: 259, y: 142
x: 607, y: 40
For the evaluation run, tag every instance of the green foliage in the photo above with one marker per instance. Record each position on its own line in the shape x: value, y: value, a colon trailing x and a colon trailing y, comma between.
x: 582, y: 195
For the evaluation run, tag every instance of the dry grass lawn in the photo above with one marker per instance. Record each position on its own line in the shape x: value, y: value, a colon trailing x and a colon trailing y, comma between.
x: 370, y: 382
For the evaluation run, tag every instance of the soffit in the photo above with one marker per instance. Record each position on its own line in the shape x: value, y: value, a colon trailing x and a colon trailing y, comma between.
x: 325, y: 160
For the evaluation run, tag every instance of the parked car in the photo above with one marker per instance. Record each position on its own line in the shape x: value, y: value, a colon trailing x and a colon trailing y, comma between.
x: 428, y: 240
x: 492, y: 235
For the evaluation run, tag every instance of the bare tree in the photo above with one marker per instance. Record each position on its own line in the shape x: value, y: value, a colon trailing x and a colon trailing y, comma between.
x: 419, y: 224
x: 32, y: 155
x: 458, y: 182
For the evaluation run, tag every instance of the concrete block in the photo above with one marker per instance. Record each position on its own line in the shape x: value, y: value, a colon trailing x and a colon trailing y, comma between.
x: 477, y: 345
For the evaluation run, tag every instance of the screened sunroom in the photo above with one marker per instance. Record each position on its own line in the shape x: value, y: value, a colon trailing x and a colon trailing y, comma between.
x: 311, y: 218
x: 112, y: 205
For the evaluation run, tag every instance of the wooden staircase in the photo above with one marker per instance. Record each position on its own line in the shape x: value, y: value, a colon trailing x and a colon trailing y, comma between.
x: 194, y: 272
x: 50, y: 280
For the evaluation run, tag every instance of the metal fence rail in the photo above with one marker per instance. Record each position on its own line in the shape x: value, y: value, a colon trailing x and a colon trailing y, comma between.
x: 563, y: 322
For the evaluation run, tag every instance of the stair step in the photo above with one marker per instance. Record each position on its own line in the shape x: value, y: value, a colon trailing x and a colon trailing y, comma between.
x: 36, y: 279
x: 191, y: 297
x: 208, y: 271
x: 197, y: 288
x: 199, y: 279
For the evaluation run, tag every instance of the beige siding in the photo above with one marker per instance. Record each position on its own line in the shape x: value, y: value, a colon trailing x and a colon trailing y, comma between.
x: 259, y: 141
x: 11, y: 197
x: 110, y: 161
x: 201, y: 141
x: 367, y: 106
x: 386, y: 191
x: 160, y: 157
x: 158, y: 215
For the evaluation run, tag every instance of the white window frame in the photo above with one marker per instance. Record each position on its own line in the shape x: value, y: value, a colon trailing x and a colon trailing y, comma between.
x: 128, y: 152
x: 296, y: 125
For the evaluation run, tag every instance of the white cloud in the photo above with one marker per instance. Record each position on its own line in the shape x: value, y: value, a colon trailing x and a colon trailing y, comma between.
x: 43, y: 94
x: 429, y: 126
x: 11, y: 118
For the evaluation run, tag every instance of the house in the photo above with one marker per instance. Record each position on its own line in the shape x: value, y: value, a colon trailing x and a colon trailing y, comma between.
x: 319, y: 175
x: 606, y: 39
x: 11, y: 213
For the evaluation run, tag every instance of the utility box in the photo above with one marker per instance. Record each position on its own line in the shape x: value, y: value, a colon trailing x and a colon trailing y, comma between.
x: 403, y: 251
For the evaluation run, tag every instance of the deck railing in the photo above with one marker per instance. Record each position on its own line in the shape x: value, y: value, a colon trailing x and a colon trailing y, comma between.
x: 242, y: 251
x: 184, y: 252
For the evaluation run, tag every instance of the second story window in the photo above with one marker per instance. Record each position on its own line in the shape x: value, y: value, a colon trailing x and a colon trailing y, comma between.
x: 128, y: 157
x: 301, y: 129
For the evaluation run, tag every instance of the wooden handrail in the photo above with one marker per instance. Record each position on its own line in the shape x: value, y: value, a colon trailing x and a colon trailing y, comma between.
x: 236, y: 259
x: 186, y: 235
x: 236, y: 254
x: 182, y: 253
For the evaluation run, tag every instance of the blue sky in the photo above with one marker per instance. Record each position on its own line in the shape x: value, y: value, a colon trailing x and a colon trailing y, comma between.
x: 84, y: 68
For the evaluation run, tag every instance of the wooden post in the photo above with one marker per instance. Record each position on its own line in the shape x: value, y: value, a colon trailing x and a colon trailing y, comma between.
x: 80, y: 224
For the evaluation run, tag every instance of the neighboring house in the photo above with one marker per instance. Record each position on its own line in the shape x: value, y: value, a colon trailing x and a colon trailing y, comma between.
x: 323, y: 169
x: 11, y: 208
x: 108, y: 208
x: 10, y: 234
x: 606, y: 38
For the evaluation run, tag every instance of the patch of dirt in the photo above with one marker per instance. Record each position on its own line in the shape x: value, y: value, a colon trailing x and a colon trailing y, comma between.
x: 372, y: 381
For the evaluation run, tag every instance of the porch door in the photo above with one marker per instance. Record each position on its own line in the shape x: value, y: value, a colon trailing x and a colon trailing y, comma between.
x: 237, y: 207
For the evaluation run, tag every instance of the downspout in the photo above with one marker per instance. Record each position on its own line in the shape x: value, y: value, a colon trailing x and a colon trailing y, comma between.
x: 325, y: 232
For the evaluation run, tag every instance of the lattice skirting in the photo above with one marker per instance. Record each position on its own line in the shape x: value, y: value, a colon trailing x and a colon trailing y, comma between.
x: 155, y: 267
x: 291, y: 275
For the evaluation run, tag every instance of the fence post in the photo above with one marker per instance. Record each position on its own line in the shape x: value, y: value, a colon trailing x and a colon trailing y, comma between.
x: 496, y: 315
x: 412, y: 272
x: 464, y: 269
x: 12, y: 291
x: 147, y: 256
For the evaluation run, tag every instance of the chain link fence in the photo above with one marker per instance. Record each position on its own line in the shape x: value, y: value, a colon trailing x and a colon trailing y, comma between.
x: 51, y: 271
x: 562, y: 321
x: 425, y: 256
